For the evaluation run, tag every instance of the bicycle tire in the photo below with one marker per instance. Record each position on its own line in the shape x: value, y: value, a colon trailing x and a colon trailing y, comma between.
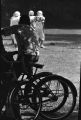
x: 15, y: 106
x: 45, y: 74
x: 70, y: 85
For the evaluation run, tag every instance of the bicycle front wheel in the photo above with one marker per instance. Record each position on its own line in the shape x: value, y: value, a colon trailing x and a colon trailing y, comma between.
x: 22, y: 104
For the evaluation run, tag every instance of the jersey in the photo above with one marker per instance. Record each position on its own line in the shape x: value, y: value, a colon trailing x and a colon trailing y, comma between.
x: 33, y: 21
x: 14, y: 20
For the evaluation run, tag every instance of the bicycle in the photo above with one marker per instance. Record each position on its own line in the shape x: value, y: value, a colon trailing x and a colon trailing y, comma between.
x: 42, y: 82
x: 10, y: 85
x: 27, y: 92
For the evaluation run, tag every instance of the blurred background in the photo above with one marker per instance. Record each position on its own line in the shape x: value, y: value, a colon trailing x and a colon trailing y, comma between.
x: 58, y: 13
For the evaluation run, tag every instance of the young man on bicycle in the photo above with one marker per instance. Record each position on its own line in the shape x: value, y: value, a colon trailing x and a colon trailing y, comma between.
x: 30, y: 44
x: 27, y: 44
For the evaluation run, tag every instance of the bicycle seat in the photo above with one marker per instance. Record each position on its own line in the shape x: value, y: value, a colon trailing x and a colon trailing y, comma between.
x: 38, y: 65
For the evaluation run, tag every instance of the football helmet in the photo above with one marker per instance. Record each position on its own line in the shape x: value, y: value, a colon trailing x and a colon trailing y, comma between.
x: 39, y: 13
x: 31, y: 13
x: 16, y: 14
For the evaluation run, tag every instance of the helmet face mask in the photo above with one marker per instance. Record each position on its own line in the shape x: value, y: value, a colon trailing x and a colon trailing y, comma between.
x: 31, y: 13
x: 39, y: 13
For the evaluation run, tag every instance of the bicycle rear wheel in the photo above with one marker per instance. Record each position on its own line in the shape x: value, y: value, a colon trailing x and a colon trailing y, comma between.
x: 39, y: 78
x: 22, y: 104
x: 59, y: 103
